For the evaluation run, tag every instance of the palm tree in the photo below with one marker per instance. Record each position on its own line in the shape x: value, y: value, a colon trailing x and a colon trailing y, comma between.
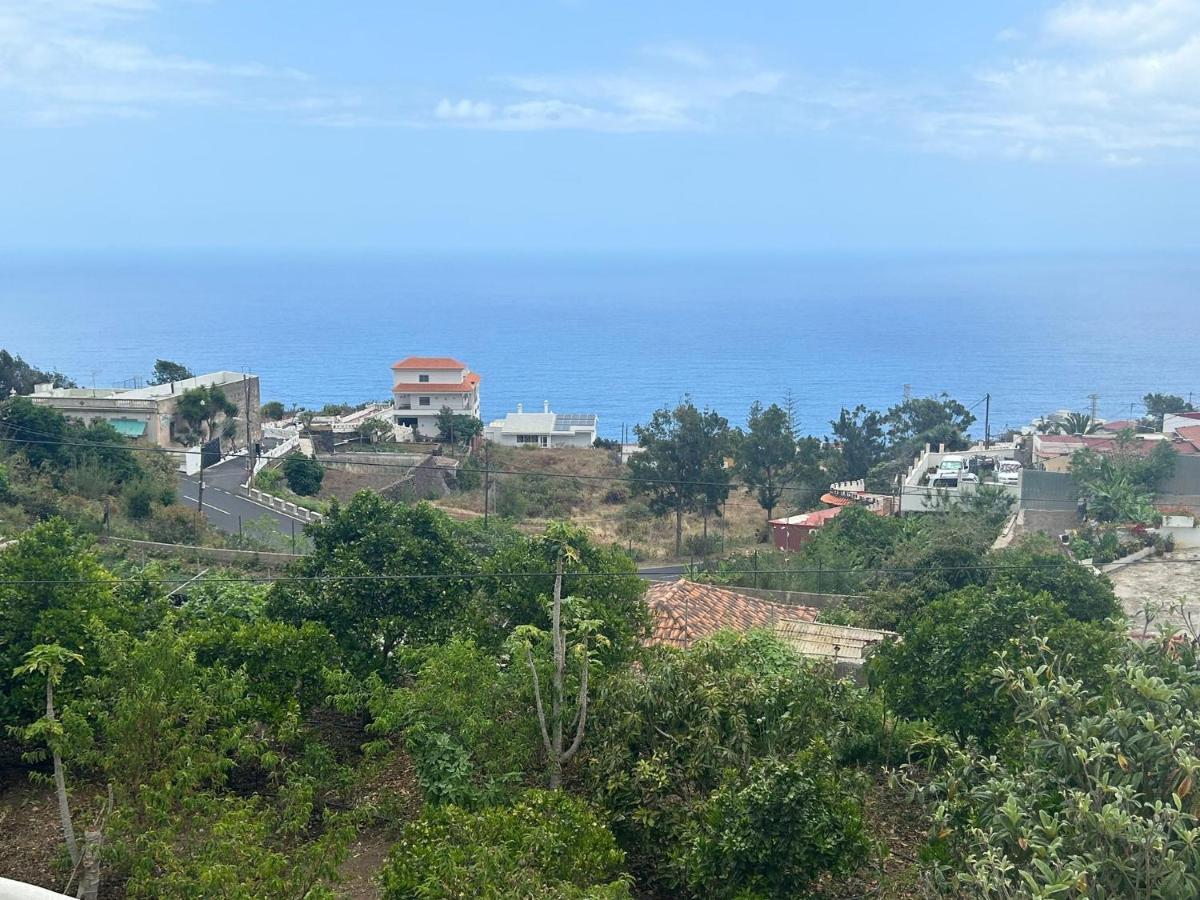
x: 1079, y: 423
x: 50, y: 661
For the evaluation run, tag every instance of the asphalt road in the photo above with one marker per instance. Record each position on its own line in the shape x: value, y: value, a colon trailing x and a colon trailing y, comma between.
x: 663, y: 573
x: 225, y: 504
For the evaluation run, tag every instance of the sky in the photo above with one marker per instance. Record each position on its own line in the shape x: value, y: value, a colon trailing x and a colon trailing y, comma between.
x: 599, y: 125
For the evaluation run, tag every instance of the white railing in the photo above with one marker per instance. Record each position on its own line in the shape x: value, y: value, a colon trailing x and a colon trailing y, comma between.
x: 276, y: 452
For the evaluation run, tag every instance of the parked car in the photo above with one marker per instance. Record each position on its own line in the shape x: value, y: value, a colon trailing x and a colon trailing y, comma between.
x: 1008, y: 472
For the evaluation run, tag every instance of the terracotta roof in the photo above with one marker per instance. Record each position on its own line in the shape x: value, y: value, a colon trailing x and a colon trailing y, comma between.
x: 467, y: 384
x: 835, y: 500
x: 429, y: 362
x: 811, y: 519
x: 1191, y: 434
x: 1066, y: 444
x: 1119, y: 425
x: 684, y: 612
x: 840, y: 642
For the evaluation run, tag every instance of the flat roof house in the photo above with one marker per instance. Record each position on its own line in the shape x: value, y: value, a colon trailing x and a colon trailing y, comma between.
x: 149, y: 412
x: 544, y: 429
x: 422, y: 385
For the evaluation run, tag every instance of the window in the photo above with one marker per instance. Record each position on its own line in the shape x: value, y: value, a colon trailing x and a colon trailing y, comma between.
x: 424, y: 401
x: 424, y: 379
x: 528, y: 439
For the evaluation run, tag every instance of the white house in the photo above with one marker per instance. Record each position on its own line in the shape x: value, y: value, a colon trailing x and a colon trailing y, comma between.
x: 422, y: 385
x: 544, y: 429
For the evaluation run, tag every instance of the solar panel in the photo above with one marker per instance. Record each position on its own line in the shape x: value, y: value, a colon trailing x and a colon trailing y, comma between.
x: 565, y: 421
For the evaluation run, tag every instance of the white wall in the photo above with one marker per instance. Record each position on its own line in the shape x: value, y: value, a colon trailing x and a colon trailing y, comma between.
x: 436, y: 376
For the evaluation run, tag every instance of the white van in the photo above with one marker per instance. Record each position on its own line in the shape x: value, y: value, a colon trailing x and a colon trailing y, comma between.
x: 1008, y: 471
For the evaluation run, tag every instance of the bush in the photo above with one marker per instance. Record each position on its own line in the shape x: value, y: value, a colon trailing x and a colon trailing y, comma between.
x: 699, y: 545
x: 268, y: 479
x: 138, y: 498
x: 1098, y: 802
x: 665, y: 736
x: 176, y: 525
x: 304, y: 474
x: 775, y: 829
x: 547, y: 845
x: 272, y: 410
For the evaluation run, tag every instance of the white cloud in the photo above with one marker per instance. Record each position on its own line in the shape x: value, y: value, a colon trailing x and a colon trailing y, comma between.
x: 682, y: 89
x: 463, y: 110
x: 68, y: 61
x: 1116, y: 83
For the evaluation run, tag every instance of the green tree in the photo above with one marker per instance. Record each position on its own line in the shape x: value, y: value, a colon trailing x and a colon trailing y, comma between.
x: 272, y: 411
x: 19, y: 377
x: 37, y: 431
x: 1159, y: 405
x: 201, y: 407
x: 774, y: 829
x: 942, y: 669
x: 375, y: 429
x: 50, y: 662
x: 359, y: 582
x: 681, y: 466
x: 1120, y: 486
x: 1079, y: 423
x: 52, y: 588
x: 457, y: 429
x: 166, y: 371
x: 602, y: 579
x: 859, y: 435
x: 928, y: 420
x: 666, y: 735
x: 771, y: 460
x: 303, y: 473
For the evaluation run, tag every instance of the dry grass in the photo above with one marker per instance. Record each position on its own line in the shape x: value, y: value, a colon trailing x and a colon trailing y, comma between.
x: 599, y: 499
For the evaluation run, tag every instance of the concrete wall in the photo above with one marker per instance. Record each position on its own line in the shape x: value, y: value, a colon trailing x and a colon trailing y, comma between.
x: 215, y: 554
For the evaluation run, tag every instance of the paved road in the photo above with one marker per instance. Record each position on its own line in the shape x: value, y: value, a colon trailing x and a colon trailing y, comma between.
x: 225, y: 504
x: 663, y: 573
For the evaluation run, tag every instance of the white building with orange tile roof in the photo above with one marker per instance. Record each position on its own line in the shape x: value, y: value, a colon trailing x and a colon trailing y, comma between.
x: 423, y: 385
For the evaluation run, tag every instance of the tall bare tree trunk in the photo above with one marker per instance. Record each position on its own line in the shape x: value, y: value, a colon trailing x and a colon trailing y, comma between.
x: 552, y: 733
x: 60, y: 785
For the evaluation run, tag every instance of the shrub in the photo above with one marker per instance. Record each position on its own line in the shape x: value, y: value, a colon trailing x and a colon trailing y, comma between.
x: 176, y: 525
x: 942, y: 669
x: 774, y: 829
x: 268, y: 479
x: 138, y: 497
x: 304, y: 474
x: 702, y: 546
x: 664, y: 737
x: 1098, y: 802
x: 547, y: 845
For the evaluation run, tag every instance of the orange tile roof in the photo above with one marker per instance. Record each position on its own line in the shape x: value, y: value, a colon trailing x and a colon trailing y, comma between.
x: 685, y: 611
x: 429, y: 362
x: 1191, y: 434
x: 467, y: 384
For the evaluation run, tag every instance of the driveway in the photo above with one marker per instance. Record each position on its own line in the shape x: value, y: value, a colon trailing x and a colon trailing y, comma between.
x: 1172, y: 590
x: 225, y: 504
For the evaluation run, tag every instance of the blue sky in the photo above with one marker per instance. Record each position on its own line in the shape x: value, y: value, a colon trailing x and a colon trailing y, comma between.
x: 568, y: 125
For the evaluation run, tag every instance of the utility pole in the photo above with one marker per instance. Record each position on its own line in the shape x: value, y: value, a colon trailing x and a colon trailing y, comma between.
x: 1095, y: 398
x: 249, y: 443
x: 987, y: 421
x: 200, y: 494
x: 487, y: 482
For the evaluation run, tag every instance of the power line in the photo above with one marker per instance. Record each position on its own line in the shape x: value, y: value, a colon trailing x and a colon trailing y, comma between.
x: 629, y: 479
x: 483, y: 576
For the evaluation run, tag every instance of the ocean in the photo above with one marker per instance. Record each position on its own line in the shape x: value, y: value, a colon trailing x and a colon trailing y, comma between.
x: 620, y: 336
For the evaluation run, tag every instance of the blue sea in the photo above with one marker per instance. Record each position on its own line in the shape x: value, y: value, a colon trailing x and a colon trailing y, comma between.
x: 622, y: 335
